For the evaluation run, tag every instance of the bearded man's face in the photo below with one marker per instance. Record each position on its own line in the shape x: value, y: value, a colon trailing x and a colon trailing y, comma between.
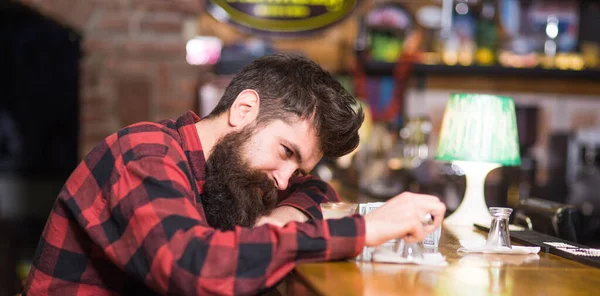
x: 246, y: 168
x: 235, y: 194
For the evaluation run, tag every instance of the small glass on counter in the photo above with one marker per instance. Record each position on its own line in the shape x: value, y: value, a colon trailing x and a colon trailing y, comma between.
x: 499, y: 234
x: 337, y: 210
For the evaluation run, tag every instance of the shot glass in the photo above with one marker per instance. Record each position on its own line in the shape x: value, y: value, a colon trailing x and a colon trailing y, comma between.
x: 337, y: 210
x: 499, y: 235
x: 409, y: 251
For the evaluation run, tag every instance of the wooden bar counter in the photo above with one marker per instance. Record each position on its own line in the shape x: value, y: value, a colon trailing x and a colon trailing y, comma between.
x: 466, y: 274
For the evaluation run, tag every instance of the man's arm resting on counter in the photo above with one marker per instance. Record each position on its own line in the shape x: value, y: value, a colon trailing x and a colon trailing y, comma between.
x: 178, y: 253
x: 300, y: 202
x: 281, y: 216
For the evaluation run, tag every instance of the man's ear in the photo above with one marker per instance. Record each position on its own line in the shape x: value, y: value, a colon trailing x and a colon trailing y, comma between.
x: 244, y: 109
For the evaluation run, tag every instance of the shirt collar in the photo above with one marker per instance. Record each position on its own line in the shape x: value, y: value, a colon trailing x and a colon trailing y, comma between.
x: 190, y: 142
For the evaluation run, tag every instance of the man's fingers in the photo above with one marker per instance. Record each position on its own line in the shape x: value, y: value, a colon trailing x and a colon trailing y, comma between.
x: 419, y: 197
x: 436, y: 209
x: 426, y: 197
x: 416, y: 236
x: 412, y: 225
x: 417, y: 232
x: 429, y: 203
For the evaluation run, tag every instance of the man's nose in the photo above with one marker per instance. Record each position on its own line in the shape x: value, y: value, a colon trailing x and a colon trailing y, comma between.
x: 283, y: 177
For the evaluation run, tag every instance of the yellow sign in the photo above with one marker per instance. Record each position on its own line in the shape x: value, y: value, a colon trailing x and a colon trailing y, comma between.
x: 282, y: 16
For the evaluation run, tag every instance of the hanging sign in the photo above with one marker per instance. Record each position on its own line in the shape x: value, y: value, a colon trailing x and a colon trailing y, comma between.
x: 281, y: 16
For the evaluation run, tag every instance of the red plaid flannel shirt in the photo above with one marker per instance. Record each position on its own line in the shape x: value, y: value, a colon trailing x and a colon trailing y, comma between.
x: 129, y: 220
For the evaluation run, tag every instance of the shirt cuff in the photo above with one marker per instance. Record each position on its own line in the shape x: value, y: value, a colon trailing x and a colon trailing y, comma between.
x: 346, y: 237
x: 301, y: 203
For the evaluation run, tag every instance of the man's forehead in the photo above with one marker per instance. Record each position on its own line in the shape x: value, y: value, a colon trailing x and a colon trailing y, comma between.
x: 300, y: 133
x: 301, y: 127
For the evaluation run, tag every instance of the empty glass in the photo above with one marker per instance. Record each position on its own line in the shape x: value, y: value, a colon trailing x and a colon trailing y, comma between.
x: 409, y: 251
x: 337, y: 210
x: 499, y: 236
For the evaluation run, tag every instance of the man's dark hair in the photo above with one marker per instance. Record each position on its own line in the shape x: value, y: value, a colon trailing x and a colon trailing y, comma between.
x: 291, y: 84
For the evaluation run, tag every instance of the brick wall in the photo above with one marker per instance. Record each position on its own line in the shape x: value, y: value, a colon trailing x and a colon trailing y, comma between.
x: 133, y: 66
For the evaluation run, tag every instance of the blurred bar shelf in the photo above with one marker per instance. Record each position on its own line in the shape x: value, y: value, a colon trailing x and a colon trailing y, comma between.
x: 497, y: 78
x: 503, y: 71
x: 383, y: 68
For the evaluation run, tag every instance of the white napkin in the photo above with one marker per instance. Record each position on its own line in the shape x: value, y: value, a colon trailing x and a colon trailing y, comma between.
x: 389, y: 256
x: 478, y: 246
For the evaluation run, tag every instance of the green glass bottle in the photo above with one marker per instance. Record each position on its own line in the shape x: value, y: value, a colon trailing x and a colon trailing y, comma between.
x: 487, y: 40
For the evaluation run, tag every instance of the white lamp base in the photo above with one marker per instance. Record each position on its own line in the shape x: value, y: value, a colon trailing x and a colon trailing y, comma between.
x: 473, y: 208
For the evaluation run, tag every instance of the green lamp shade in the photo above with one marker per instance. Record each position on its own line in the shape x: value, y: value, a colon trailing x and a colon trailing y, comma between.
x: 481, y: 128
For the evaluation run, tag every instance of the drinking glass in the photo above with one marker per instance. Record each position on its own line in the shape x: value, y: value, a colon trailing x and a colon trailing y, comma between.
x: 337, y: 210
x: 409, y: 251
x: 499, y: 235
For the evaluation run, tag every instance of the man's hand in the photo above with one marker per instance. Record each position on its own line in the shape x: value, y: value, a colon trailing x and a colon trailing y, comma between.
x: 281, y: 216
x: 402, y: 217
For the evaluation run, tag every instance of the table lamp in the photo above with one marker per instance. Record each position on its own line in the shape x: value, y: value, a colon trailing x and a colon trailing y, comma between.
x: 478, y: 134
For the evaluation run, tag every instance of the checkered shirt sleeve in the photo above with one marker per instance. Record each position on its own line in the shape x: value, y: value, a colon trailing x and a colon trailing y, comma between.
x: 306, y: 193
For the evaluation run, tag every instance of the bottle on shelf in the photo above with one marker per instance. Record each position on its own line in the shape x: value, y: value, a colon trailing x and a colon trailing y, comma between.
x: 487, y: 39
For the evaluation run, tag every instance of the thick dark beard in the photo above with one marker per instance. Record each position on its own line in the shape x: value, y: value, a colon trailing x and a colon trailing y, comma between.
x: 233, y: 193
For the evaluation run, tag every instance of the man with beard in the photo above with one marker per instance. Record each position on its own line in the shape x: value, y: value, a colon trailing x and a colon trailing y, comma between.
x: 221, y: 205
